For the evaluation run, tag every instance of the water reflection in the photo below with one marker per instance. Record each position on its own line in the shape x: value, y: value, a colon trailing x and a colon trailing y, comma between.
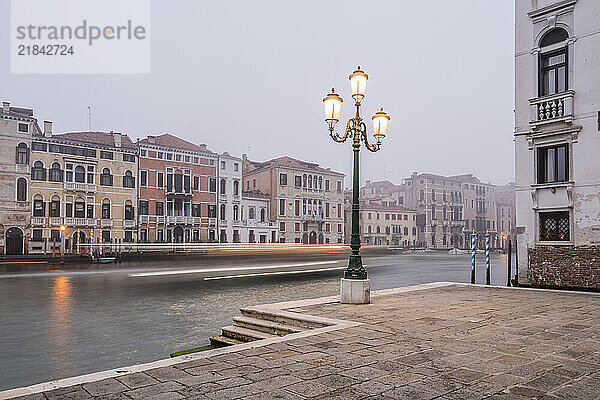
x: 61, y: 322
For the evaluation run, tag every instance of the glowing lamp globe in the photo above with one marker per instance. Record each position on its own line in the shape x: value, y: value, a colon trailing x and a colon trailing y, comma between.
x: 380, y: 123
x: 358, y: 84
x: 333, y: 106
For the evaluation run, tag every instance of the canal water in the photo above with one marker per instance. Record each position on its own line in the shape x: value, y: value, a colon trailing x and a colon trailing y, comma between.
x: 66, y: 323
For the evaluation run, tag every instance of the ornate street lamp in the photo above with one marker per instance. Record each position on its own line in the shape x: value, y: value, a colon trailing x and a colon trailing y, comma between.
x: 355, y: 287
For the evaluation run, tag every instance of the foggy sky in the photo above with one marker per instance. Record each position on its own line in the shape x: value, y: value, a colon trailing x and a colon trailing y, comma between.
x: 249, y: 76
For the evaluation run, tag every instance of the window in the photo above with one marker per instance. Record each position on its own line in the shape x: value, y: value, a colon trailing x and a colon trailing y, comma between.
x: 79, y: 209
x: 236, y: 212
x: 196, y: 210
x: 129, y: 210
x: 107, y: 155
x: 129, y: 179
x: 177, y: 157
x: 263, y: 214
x: 187, y: 184
x: 21, y: 189
x: 310, y: 181
x: 90, y: 174
x: 282, y: 227
x: 223, y: 186
x: 304, y: 180
x: 554, y: 226
x: 320, y: 183
x: 106, y: 178
x: 283, y: 179
x: 37, y: 235
x: 553, y: 65
x: 90, y: 211
x: 169, y: 156
x: 196, y: 183
x: 105, y: 209
x: 143, y: 178
x: 160, y: 155
x: 222, y: 164
x: 23, y: 128
x: 55, y: 208
x: 282, y: 207
x: 186, y: 159
x: 39, y: 209
x: 236, y: 167
x: 236, y: 188
x: 79, y: 174
x: 213, y: 185
x: 251, y: 213
x: 38, y: 172
x: 327, y: 185
x: 327, y: 211
x: 68, y: 210
x: 297, y: 181
x: 128, y: 236
x: 160, y: 179
x: 128, y: 157
x: 212, y: 211
x: 160, y: 208
x: 339, y: 186
x: 143, y: 209
x: 22, y: 154
x: 553, y: 164
x: 297, y: 207
x: 222, y: 212
x: 56, y: 174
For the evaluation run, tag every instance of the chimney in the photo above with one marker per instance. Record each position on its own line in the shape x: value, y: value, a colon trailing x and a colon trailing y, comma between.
x: 367, y: 183
x: 151, y: 139
x: 5, y: 107
x: 244, y: 157
x: 47, y: 128
x: 117, y: 138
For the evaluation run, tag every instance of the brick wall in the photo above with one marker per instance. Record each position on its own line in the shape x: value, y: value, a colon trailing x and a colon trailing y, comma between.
x: 565, y: 266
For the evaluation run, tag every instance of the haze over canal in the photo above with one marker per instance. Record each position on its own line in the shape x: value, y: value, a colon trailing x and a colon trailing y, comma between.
x: 64, y: 323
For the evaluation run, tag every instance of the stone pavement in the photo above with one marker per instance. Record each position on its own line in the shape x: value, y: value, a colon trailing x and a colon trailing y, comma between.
x: 449, y: 342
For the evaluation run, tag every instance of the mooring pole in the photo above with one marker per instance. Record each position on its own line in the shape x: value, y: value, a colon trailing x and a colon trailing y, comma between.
x: 487, y: 258
x: 509, y: 262
x: 473, y: 258
x: 516, y: 282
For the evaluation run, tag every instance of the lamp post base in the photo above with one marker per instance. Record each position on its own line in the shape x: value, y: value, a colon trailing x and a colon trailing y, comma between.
x: 355, y: 291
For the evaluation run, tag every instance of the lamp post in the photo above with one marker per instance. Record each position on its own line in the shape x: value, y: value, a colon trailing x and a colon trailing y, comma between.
x: 62, y: 240
x: 355, y: 287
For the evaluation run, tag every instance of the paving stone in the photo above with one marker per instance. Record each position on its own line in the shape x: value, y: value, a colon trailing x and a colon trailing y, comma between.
x: 275, y: 395
x: 103, y: 387
x: 465, y: 375
x: 67, y: 393
x: 137, y: 380
x: 154, y: 390
x: 167, y: 374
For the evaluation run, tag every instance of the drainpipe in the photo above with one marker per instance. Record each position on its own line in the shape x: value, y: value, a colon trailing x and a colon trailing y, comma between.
x: 218, y: 191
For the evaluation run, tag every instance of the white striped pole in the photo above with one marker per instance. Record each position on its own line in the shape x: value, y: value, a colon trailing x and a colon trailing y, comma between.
x: 473, y: 257
x: 487, y: 258
x: 100, y: 245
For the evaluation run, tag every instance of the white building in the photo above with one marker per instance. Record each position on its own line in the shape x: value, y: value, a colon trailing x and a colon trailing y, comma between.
x: 256, y: 224
x: 557, y: 138
x: 229, y: 177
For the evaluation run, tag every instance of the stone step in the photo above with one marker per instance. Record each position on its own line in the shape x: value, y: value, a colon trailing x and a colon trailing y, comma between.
x: 244, y: 334
x: 222, y: 341
x: 266, y: 326
x: 297, y: 322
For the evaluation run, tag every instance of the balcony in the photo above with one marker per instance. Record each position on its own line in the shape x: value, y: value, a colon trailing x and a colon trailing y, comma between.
x: 144, y: 219
x: 80, y: 187
x: 457, y: 223
x: 197, y: 220
x: 130, y: 223
x: 251, y: 223
x: 160, y: 219
x: 38, y: 221
x: 434, y: 222
x: 55, y: 221
x: 212, y: 221
x: 178, y: 192
x: 106, y: 223
x: 554, y: 108
x: 313, y: 217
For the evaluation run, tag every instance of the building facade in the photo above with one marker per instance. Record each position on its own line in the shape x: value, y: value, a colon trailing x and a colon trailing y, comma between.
x: 177, y: 191
x: 230, y: 198
x: 306, y: 200
x: 85, y: 181
x: 556, y: 141
x: 17, y: 125
x: 257, y: 226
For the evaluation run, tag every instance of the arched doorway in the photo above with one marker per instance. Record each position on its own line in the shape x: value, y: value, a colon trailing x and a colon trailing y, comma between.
x: 82, y: 240
x: 312, y: 239
x: 178, y: 234
x: 305, y: 238
x: 14, y: 241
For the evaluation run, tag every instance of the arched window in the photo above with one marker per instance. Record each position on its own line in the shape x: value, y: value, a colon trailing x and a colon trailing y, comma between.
x: 128, y: 180
x: 79, y: 174
x: 315, y: 181
x: 263, y: 216
x: 22, y: 154
x: 56, y: 174
x: 251, y: 213
x: 236, y: 188
x: 310, y: 181
x: 55, y: 206
x: 222, y: 212
x: 320, y: 183
x: 38, y: 172
x: 369, y: 229
x: 21, y: 189
x: 406, y: 230
x: 105, y: 207
x: 414, y: 231
x: 223, y: 186
x: 422, y: 195
x: 129, y: 216
x: 304, y: 180
x: 39, y: 208
x: 80, y: 208
x: 236, y: 212
x: 378, y: 229
x: 106, y: 178
x: 553, y: 63
x: 432, y: 194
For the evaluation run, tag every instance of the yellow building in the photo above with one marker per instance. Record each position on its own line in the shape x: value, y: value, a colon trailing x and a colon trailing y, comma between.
x: 86, y: 182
